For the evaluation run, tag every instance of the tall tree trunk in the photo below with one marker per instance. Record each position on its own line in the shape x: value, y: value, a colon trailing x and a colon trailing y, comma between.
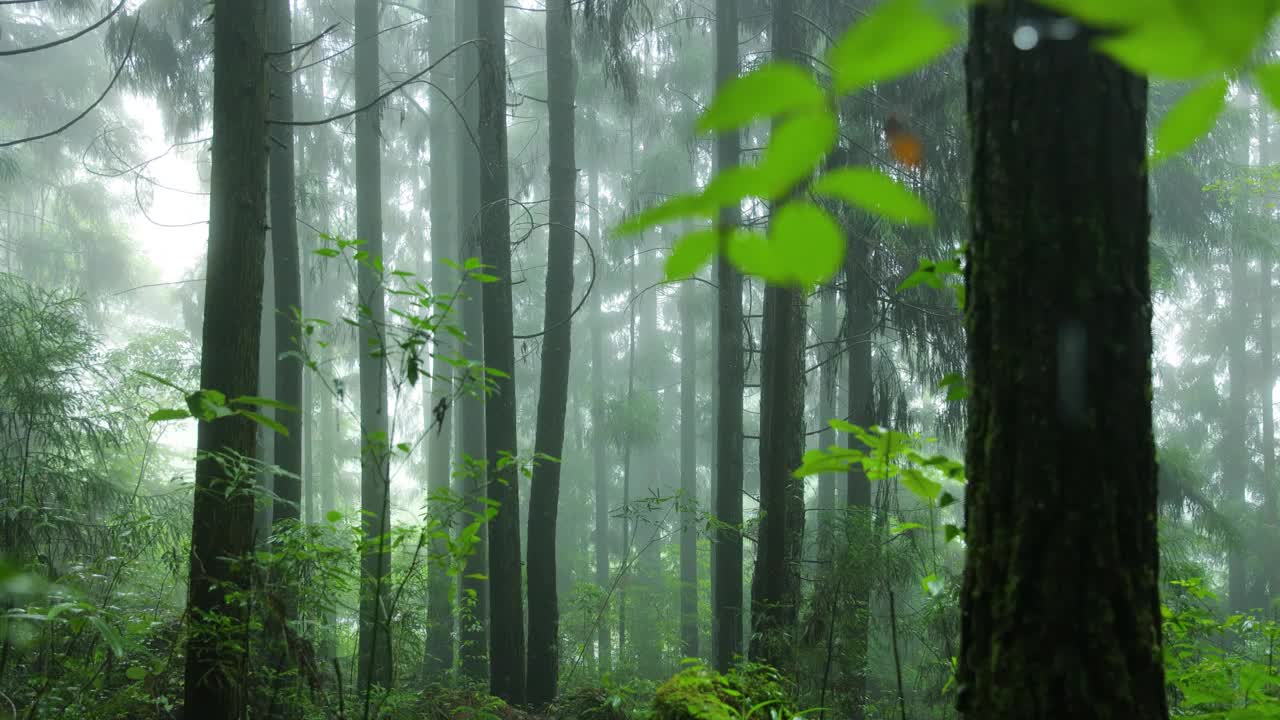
x: 506, y: 611
x: 1266, y: 299
x: 830, y: 355
x: 860, y: 313
x: 775, y: 586
x: 327, y: 479
x: 436, y: 408
x: 688, y: 473
x: 600, y: 466
x: 473, y: 587
x: 553, y: 387
x: 374, y: 661
x: 1235, y: 451
x: 286, y: 269
x: 1060, y: 612
x: 222, y: 515
x: 287, y: 274
x: 726, y: 547
x: 263, y: 509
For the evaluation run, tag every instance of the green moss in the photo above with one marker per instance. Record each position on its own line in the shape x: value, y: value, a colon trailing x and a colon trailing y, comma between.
x: 700, y: 693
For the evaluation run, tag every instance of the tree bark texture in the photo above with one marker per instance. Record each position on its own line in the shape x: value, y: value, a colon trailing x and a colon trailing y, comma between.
x: 688, y: 473
x: 437, y: 415
x: 726, y: 547
x: 222, y: 515
x: 473, y: 591
x: 553, y: 386
x: 374, y: 662
x: 775, y: 585
x: 506, y: 609
x: 1060, y: 607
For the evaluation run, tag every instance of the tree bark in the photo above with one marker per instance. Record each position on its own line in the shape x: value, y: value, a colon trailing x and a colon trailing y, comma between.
x: 1060, y: 608
x: 600, y: 467
x: 775, y: 585
x: 473, y: 588
x: 726, y: 547
x: 506, y: 610
x: 444, y: 227
x: 688, y: 473
x: 374, y: 663
x: 553, y: 387
x: 222, y: 514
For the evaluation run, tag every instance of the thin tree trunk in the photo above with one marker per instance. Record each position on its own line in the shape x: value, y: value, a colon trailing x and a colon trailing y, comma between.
x: 726, y: 548
x: 600, y: 467
x: 506, y: 611
x: 1235, y: 459
x: 553, y: 388
x: 473, y: 587
x: 688, y: 473
x: 222, y: 514
x: 1266, y: 299
x: 775, y: 586
x: 1060, y: 609
x: 284, y: 362
x: 830, y: 355
x: 444, y: 228
x: 374, y: 661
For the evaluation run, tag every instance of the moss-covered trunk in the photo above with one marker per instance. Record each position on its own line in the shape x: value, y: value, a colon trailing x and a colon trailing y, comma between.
x: 1060, y: 607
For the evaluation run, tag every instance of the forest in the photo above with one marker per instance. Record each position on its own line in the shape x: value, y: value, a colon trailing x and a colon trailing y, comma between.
x: 639, y: 359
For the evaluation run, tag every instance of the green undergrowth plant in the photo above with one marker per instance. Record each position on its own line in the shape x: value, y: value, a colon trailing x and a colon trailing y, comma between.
x: 1218, y: 668
x: 749, y: 691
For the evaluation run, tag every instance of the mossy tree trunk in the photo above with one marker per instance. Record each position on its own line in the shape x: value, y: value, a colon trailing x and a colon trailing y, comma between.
x: 1060, y: 605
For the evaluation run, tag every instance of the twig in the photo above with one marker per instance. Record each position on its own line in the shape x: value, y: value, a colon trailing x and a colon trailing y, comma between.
x: 897, y: 661
x: 393, y: 90
x: 300, y: 46
x: 67, y: 39
x: 128, y: 54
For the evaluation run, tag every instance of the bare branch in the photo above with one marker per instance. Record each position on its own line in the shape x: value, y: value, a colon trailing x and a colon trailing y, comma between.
x: 67, y: 39
x: 128, y: 54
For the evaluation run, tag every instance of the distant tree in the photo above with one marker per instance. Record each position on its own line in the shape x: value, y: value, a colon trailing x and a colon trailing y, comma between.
x: 437, y: 415
x: 222, y: 514
x: 553, y: 388
x: 775, y: 585
x: 726, y: 547
x: 374, y: 661
x: 473, y: 588
x: 599, y: 463
x: 688, y: 473
x: 506, y: 604
x: 1060, y: 605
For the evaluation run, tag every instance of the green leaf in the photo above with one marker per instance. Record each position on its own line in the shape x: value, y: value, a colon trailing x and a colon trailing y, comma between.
x: 262, y: 402
x: 691, y: 252
x: 1268, y: 78
x: 843, y: 426
x: 162, y: 381
x: 109, y: 635
x: 796, y: 149
x: 919, y: 485
x: 333, y: 516
x: 932, y: 584
x: 168, y: 414
x: 951, y: 531
x: 773, y: 89
x: 326, y: 252
x: 900, y: 528
x: 675, y: 208
x: 874, y: 192
x: 955, y: 386
x: 896, y: 38
x: 946, y: 499
x: 136, y: 673
x: 1193, y: 116
x: 804, y: 247
x: 1165, y: 47
x: 265, y: 421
